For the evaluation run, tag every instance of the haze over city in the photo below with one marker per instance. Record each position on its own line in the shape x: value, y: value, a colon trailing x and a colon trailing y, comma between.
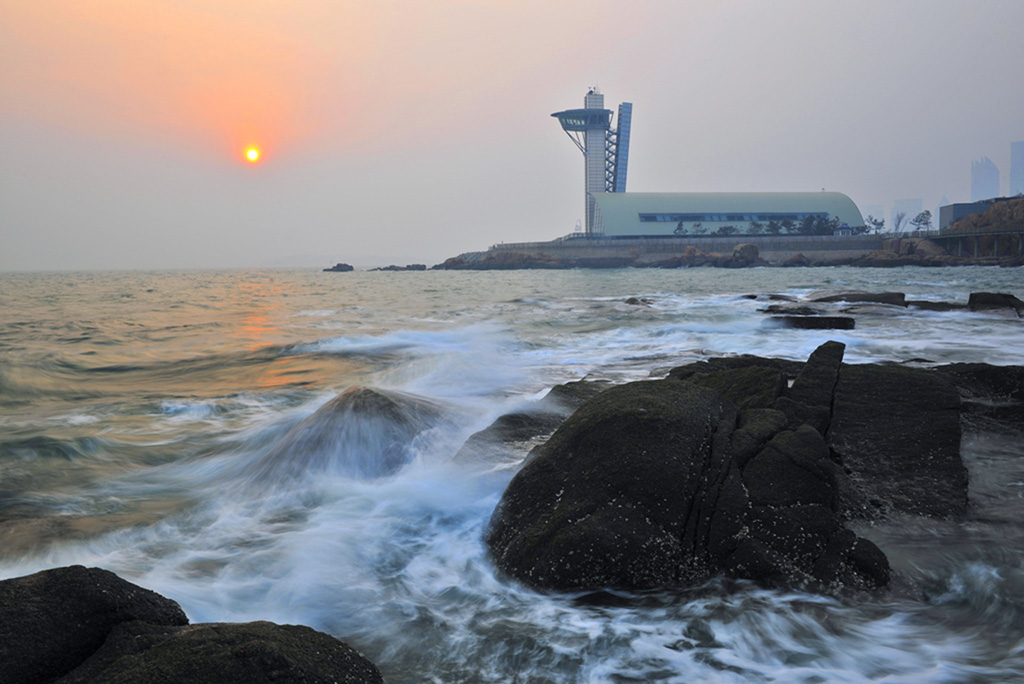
x: 402, y: 131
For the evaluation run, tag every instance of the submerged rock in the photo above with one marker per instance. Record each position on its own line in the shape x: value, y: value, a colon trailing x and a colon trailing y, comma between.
x: 363, y: 432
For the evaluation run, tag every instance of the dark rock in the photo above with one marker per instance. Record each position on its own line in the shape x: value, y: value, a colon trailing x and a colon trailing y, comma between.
x: 791, y: 310
x: 639, y: 301
x: 816, y: 322
x: 796, y: 260
x: 534, y: 421
x: 809, y: 400
x: 52, y: 621
x: 745, y: 254
x: 249, y: 653
x: 935, y: 306
x: 605, y: 502
x: 362, y: 432
x: 750, y: 387
x: 892, y: 298
x: 410, y: 267
x: 992, y: 396
x: 896, y: 433
x: 790, y: 369
x: 657, y: 484
x: 340, y: 267
x: 982, y: 380
x: 986, y: 301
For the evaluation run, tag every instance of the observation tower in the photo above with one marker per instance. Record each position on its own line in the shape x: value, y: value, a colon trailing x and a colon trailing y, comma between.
x: 605, y: 149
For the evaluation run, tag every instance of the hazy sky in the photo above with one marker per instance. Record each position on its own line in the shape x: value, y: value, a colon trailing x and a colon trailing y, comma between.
x: 400, y: 131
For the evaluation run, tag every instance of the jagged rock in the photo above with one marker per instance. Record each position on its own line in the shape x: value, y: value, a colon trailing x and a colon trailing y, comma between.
x: 809, y: 400
x: 52, y: 621
x: 661, y: 483
x: 340, y: 267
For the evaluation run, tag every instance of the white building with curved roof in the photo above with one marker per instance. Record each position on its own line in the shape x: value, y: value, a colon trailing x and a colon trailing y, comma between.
x: 648, y: 214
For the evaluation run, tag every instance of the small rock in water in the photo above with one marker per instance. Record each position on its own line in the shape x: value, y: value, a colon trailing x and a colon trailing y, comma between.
x: 805, y: 322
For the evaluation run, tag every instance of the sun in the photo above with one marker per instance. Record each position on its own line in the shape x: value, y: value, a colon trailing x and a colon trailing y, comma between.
x: 252, y: 154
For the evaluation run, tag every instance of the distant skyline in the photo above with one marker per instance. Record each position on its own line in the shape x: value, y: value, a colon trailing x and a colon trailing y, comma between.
x: 398, y: 131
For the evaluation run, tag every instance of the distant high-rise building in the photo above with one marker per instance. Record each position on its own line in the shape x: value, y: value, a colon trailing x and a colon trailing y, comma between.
x: 984, y: 180
x: 1017, y: 168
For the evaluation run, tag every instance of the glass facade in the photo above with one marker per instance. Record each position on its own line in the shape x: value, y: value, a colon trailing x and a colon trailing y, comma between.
x: 713, y: 218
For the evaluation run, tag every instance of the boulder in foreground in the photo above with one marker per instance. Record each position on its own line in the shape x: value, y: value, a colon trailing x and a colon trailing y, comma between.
x: 77, y: 625
x: 727, y: 469
x: 664, y: 483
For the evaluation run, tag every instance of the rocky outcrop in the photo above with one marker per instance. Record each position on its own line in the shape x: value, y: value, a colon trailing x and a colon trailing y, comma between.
x: 79, y: 625
x: 52, y: 621
x: 896, y: 432
x: 532, y: 421
x: 743, y: 255
x: 1004, y: 216
x: 409, y: 267
x: 666, y: 483
x: 340, y: 267
x: 987, y: 301
x: 744, y: 466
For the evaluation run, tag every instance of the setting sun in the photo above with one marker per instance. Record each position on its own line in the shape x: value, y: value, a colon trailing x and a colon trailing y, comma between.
x: 252, y: 154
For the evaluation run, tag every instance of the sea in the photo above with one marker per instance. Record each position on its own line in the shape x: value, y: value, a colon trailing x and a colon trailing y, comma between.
x: 138, y: 410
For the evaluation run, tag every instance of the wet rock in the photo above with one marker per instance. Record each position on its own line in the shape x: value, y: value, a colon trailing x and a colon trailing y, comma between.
x: 340, y: 267
x: 749, y: 387
x: 52, y: 621
x: 362, y: 432
x: 79, y: 625
x: 896, y: 433
x: 992, y: 397
x: 809, y: 400
x: 216, y: 653
x: 534, y: 421
x: 987, y: 301
x: 639, y: 301
x: 891, y: 298
x: 804, y: 322
x: 666, y: 483
x: 791, y: 310
x: 935, y: 306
